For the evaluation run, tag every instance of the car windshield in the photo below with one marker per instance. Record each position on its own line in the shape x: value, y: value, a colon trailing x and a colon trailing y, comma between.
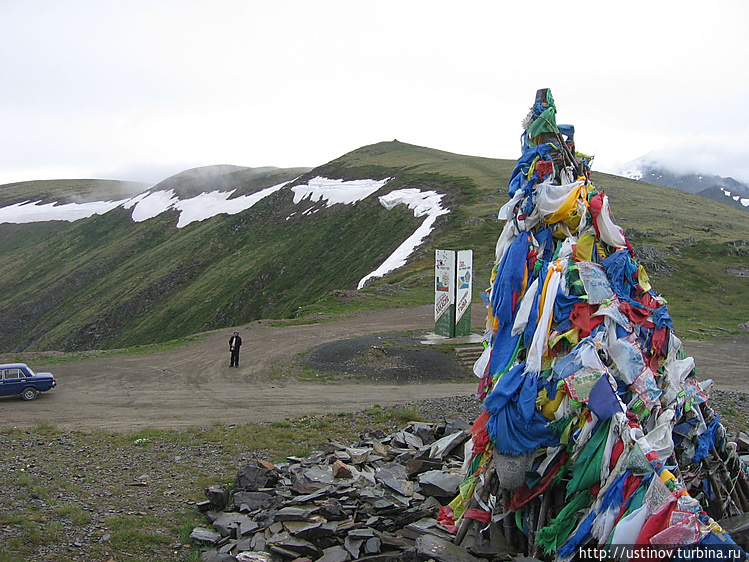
x: 31, y: 371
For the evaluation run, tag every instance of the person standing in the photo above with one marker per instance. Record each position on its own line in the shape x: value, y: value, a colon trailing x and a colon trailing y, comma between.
x: 235, y: 342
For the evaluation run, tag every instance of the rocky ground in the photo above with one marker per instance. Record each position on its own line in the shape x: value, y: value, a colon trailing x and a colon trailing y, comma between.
x: 79, y: 496
x: 108, y: 496
x: 111, y: 464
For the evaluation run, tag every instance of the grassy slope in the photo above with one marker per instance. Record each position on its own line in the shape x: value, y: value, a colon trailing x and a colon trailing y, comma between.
x: 68, y: 191
x: 694, y: 235
x: 478, y: 185
x: 691, y: 236
x: 108, y: 282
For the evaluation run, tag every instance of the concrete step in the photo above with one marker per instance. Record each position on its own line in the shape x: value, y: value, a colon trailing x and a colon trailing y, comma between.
x: 468, y: 354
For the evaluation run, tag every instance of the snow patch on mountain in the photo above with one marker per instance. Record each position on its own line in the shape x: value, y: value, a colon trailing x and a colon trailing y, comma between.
x: 336, y: 191
x: 150, y: 204
x: 423, y: 203
x: 743, y: 200
x: 631, y: 171
x: 650, y: 169
x: 27, y: 211
x: 194, y: 209
x: 207, y: 205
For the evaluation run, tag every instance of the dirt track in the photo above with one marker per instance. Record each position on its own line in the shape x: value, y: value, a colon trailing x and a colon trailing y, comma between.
x: 194, y: 386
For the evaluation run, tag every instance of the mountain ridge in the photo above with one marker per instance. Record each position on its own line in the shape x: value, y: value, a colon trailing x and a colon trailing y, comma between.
x: 68, y: 190
x: 108, y: 281
x: 722, y: 189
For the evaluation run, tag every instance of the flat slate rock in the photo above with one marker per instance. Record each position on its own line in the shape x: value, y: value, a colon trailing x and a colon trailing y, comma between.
x: 252, y: 500
x: 291, y: 513
x: 440, y: 484
x: 442, y: 550
x: 201, y: 534
x: 300, y: 510
x: 335, y: 554
x: 252, y: 477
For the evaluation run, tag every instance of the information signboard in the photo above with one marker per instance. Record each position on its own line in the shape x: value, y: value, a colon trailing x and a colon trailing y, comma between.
x: 453, y: 290
x: 444, y: 293
x: 464, y: 292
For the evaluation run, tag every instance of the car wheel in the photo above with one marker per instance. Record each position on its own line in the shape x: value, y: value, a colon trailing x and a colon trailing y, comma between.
x: 29, y: 393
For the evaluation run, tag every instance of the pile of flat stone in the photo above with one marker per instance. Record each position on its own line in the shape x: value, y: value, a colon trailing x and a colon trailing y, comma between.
x: 377, y: 500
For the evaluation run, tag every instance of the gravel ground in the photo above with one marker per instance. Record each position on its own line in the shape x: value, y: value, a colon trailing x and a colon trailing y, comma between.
x: 94, y: 496
x: 90, y: 496
x: 391, y: 357
x: 733, y: 409
x: 71, y: 496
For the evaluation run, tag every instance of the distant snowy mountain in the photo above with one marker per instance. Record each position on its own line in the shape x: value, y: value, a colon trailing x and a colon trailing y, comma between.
x: 198, y: 207
x: 105, y: 264
x: 92, y: 264
x: 721, y: 189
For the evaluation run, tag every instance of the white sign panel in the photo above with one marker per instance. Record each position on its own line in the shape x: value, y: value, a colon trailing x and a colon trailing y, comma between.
x: 444, y: 279
x: 464, y: 289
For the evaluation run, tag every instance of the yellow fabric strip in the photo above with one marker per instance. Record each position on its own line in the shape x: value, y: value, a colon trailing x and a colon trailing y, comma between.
x: 568, y: 207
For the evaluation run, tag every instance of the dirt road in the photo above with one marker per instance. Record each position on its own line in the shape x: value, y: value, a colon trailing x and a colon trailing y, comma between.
x: 194, y: 386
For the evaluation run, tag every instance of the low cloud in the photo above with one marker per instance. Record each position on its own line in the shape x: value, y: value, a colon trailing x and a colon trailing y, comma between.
x: 702, y: 156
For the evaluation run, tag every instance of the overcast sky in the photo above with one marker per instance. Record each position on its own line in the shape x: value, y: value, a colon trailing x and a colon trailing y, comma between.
x: 141, y: 89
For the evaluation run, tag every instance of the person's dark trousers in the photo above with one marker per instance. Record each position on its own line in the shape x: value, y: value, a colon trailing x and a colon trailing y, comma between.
x: 234, y: 358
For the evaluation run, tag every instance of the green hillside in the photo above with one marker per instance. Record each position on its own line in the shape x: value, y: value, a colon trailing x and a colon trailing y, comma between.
x: 68, y: 191
x: 108, y: 282
x: 696, y: 252
x: 239, y: 179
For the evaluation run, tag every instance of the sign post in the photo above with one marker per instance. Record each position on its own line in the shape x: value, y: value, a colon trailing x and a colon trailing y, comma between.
x: 464, y: 292
x: 444, y: 293
x: 453, y: 290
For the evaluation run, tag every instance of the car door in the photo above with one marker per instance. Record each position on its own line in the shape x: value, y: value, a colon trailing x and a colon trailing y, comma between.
x: 12, y: 381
